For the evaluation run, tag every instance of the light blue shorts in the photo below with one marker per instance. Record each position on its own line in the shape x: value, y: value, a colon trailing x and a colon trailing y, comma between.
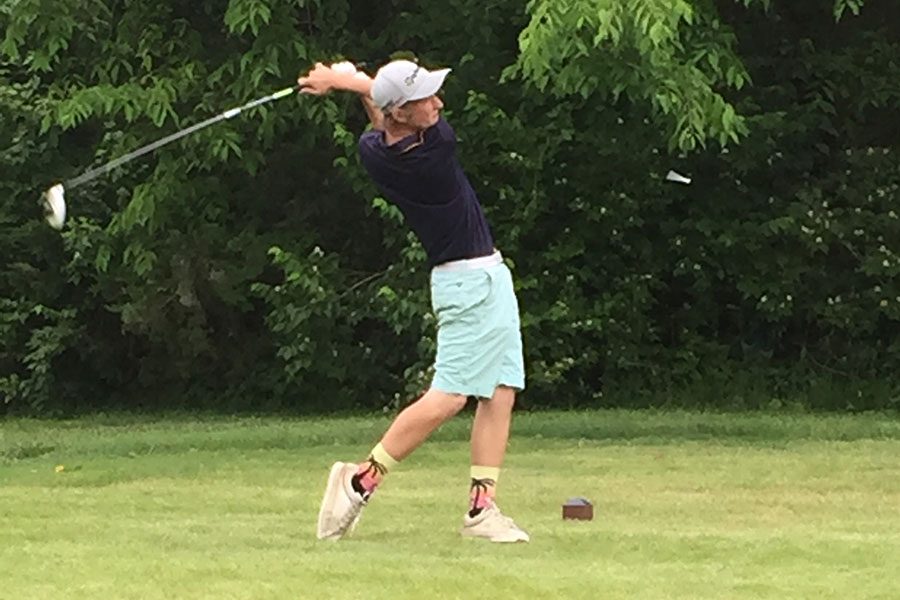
x: 479, y: 344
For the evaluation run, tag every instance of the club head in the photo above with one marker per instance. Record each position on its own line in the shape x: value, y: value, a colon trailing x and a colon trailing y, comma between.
x: 53, y: 202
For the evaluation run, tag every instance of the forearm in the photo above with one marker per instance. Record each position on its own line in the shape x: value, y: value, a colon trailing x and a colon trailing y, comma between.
x: 323, y: 79
x: 376, y: 117
x: 363, y: 87
x: 358, y: 83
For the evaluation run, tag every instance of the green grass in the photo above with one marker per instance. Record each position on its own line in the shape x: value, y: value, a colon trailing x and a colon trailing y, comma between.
x: 687, y: 505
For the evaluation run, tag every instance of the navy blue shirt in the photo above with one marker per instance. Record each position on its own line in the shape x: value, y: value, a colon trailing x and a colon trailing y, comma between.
x: 422, y: 176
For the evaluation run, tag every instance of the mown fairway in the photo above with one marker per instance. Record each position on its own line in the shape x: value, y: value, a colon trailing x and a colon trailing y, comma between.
x: 687, y: 506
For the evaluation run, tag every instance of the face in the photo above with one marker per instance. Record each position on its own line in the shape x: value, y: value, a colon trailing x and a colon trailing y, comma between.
x: 420, y: 114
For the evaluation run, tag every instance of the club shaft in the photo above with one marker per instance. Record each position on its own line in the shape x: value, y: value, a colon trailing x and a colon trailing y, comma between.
x: 97, y: 171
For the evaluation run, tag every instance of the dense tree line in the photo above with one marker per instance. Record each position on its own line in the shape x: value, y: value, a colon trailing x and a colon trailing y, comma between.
x: 253, y: 266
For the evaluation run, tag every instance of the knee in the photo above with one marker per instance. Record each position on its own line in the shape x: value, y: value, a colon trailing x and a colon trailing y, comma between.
x: 455, y: 403
x: 444, y: 404
x: 504, y: 397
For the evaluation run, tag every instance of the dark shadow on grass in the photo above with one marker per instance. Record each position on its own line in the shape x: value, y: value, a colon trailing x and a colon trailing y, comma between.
x: 144, y: 435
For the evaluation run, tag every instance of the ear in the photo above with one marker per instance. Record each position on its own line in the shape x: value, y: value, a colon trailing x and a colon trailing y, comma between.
x: 398, y: 114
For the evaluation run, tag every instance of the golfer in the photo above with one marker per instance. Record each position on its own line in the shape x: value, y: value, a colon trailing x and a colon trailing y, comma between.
x: 410, y: 153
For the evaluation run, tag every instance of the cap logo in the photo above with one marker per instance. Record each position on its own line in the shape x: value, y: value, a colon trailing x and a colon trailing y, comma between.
x: 412, y: 78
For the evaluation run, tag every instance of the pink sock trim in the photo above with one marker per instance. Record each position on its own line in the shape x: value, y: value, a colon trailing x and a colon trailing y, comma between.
x: 369, y: 475
x: 481, y: 494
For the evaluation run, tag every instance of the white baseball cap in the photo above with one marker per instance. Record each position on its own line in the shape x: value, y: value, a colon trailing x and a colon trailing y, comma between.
x: 402, y: 81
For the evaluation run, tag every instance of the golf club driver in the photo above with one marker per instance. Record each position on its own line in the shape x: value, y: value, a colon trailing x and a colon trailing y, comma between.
x: 53, y: 200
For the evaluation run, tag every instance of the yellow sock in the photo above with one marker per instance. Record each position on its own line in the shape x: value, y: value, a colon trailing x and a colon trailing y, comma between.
x: 380, y: 455
x: 479, y: 472
x: 372, y: 471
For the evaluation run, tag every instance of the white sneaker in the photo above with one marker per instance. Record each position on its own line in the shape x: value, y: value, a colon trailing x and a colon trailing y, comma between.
x: 492, y: 524
x: 341, y: 505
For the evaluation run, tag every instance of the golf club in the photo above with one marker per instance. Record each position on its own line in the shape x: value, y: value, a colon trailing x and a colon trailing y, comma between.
x: 53, y: 199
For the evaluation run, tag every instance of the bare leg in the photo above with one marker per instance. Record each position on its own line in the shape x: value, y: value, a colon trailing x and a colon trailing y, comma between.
x: 347, y: 492
x: 418, y: 420
x: 490, y: 431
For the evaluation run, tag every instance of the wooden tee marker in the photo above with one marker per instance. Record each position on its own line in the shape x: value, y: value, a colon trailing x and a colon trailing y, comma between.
x: 579, y: 509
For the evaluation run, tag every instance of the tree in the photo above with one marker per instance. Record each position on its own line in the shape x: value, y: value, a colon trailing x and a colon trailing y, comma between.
x: 238, y: 264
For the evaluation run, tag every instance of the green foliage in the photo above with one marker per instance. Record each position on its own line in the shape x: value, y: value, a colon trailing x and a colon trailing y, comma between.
x: 674, y: 54
x: 677, y: 55
x: 303, y: 313
x: 254, y: 263
x: 40, y: 334
x: 842, y: 6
